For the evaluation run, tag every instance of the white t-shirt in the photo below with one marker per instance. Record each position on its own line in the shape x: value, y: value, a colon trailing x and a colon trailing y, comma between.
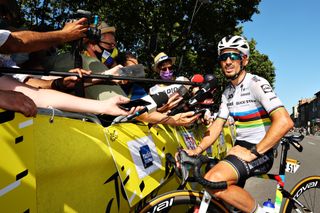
x: 168, y: 89
x: 4, y: 34
x: 6, y: 60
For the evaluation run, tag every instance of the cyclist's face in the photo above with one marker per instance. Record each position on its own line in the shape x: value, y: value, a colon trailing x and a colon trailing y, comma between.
x: 232, y: 64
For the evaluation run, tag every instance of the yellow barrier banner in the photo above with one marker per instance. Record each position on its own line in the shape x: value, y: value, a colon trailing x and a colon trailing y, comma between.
x: 69, y: 162
x: 139, y: 154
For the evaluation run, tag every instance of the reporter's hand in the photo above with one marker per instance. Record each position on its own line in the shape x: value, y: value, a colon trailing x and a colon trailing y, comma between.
x: 185, y: 118
x: 70, y: 81
x: 172, y: 102
x: 75, y: 30
x: 18, y: 102
x: 115, y: 71
x: 111, y: 106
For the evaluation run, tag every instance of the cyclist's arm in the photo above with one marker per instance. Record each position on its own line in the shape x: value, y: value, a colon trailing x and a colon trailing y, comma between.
x: 214, y: 130
x: 281, y: 124
x: 211, y: 135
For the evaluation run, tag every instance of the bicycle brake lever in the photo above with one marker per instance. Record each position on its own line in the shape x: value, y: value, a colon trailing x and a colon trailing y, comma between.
x: 184, y: 174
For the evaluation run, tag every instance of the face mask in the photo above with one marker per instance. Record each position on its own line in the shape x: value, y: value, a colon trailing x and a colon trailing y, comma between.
x: 166, y: 75
x: 107, y: 56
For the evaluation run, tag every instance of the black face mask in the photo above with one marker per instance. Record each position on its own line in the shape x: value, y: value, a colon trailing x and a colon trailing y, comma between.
x: 105, y: 56
x: 99, y: 54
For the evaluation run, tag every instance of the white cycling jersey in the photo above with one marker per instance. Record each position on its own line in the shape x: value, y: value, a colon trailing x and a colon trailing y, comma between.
x: 250, y: 103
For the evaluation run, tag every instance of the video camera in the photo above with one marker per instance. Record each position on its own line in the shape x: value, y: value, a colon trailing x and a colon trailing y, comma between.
x: 93, y: 33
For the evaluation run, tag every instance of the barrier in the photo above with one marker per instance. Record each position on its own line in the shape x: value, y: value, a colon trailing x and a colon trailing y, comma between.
x: 74, y: 164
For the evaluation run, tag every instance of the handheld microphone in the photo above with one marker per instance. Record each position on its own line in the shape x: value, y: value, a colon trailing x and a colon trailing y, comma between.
x: 201, y: 94
x: 157, y: 100
x: 184, y: 92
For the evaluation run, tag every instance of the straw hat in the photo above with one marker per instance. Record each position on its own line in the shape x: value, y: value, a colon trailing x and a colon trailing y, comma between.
x: 105, y: 28
x: 162, y: 57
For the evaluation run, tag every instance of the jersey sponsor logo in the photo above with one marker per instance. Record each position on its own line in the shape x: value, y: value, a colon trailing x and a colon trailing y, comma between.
x: 230, y: 96
x: 266, y: 88
x: 245, y: 102
x: 255, y: 78
x: 245, y: 94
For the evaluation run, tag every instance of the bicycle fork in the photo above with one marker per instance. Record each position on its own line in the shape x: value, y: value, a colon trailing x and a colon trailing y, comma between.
x: 205, y: 202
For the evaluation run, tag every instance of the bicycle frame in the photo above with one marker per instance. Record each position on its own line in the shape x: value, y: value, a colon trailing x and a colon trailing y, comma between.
x: 206, y: 198
x: 281, y: 178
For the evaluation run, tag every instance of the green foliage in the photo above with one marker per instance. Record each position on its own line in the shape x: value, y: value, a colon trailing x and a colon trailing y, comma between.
x: 260, y: 64
x: 187, y: 29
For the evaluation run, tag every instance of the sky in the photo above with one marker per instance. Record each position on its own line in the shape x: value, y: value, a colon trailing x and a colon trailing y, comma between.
x: 288, y: 31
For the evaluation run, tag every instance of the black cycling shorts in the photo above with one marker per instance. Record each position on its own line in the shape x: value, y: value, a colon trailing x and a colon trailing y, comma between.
x: 244, y: 169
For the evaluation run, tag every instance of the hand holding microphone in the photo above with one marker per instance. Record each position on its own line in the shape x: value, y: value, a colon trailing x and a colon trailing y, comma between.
x: 202, y: 94
x: 151, y: 103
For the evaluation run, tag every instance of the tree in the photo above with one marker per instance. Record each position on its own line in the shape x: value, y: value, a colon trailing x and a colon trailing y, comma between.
x: 188, y: 29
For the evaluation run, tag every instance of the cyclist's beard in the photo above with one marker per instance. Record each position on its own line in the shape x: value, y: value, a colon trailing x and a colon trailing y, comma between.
x: 236, y: 75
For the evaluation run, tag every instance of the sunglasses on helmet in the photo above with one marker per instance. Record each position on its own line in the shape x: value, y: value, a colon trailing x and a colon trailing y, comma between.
x: 232, y: 56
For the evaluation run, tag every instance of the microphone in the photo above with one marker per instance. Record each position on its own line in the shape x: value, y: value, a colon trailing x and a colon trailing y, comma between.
x: 201, y: 94
x: 185, y: 93
x: 197, y: 78
x: 157, y: 100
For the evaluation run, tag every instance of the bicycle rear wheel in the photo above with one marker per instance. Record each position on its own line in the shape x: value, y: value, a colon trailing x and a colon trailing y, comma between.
x: 181, y: 201
x: 307, y: 192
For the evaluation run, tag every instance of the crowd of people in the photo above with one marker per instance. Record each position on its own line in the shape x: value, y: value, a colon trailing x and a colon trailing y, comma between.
x: 260, y: 117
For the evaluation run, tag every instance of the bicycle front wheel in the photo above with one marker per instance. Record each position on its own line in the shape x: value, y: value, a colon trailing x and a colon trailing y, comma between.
x: 181, y: 201
x: 307, y: 192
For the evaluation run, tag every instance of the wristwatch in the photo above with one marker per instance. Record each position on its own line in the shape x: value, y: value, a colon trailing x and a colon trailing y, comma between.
x: 254, y: 151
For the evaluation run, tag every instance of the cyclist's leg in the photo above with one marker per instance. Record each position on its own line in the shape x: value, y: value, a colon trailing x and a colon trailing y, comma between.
x: 234, y: 195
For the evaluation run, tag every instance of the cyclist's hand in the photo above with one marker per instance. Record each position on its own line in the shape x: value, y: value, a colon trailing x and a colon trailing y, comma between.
x: 242, y: 153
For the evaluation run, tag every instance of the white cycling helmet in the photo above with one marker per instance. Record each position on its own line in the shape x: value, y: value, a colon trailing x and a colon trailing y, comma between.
x: 234, y: 42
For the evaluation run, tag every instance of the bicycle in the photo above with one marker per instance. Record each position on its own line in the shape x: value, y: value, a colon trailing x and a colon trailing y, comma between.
x: 304, y: 197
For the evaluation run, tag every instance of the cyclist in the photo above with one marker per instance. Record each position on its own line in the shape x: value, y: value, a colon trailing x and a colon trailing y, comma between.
x: 261, y: 121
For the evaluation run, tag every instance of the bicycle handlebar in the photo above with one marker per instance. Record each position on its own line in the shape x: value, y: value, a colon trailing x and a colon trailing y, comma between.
x: 195, y: 162
x: 294, y: 141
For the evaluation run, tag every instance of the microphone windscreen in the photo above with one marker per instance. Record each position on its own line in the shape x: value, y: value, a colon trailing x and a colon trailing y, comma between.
x: 197, y: 78
x: 183, y: 91
x: 160, y: 99
x: 182, y: 78
x: 209, y: 77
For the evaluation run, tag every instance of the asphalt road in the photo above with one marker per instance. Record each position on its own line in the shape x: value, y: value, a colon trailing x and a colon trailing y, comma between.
x: 309, y: 158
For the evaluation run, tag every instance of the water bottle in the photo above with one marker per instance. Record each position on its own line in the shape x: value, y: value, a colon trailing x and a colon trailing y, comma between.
x: 268, y: 206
